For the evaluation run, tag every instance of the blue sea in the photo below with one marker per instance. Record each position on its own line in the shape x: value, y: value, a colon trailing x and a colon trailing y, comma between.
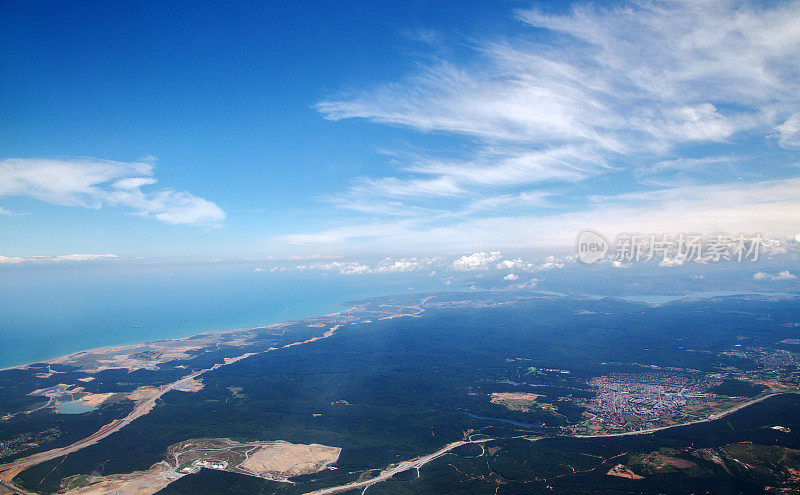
x: 49, y: 311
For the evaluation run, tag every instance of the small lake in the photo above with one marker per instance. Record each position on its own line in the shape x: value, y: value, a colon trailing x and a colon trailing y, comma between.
x: 74, y: 407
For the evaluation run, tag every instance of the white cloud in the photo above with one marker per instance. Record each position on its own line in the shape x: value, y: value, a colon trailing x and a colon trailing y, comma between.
x: 530, y: 284
x: 593, y: 91
x: 82, y: 257
x: 610, y: 76
x: 510, y: 201
x: 476, y: 261
x: 513, y: 167
x: 394, y: 187
x: 688, y: 163
x: 511, y: 277
x: 668, y: 262
x: 387, y: 265
x: 784, y: 275
x: 517, y: 264
x: 432, y: 266
x: 550, y: 263
x: 732, y: 50
x: 771, y: 208
x: 58, y: 258
x: 404, y: 265
x: 789, y: 132
x: 344, y: 268
x: 92, y: 183
x: 11, y: 260
x: 354, y: 269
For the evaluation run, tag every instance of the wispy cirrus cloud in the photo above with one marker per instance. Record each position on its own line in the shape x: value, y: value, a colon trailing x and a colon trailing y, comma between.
x: 770, y: 207
x: 93, y: 183
x: 509, y: 202
x: 664, y: 72
x: 592, y: 92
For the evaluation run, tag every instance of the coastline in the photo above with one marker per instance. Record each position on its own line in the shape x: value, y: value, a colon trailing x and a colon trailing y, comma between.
x: 122, y: 347
x: 212, y: 333
x: 663, y: 299
x: 43, y: 321
x: 330, y: 323
x: 352, y: 312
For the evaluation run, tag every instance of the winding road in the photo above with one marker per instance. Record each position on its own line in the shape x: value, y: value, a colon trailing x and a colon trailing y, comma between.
x: 399, y: 468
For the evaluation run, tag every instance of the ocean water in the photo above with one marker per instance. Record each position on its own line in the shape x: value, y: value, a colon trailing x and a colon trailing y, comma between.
x: 49, y: 311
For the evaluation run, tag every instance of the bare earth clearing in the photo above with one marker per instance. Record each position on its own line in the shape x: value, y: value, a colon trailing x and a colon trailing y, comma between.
x: 276, y: 461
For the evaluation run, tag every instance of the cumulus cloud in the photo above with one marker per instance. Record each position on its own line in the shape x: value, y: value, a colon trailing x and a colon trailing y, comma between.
x: 93, y: 183
x: 667, y: 262
x: 354, y: 269
x: 511, y: 277
x: 551, y: 263
x: 784, y: 275
x: 344, y: 268
x: 515, y: 264
x: 476, y: 261
x: 403, y: 265
x: 479, y: 261
x: 386, y: 265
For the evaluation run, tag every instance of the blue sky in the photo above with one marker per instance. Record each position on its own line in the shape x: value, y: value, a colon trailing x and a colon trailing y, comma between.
x: 255, y: 130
